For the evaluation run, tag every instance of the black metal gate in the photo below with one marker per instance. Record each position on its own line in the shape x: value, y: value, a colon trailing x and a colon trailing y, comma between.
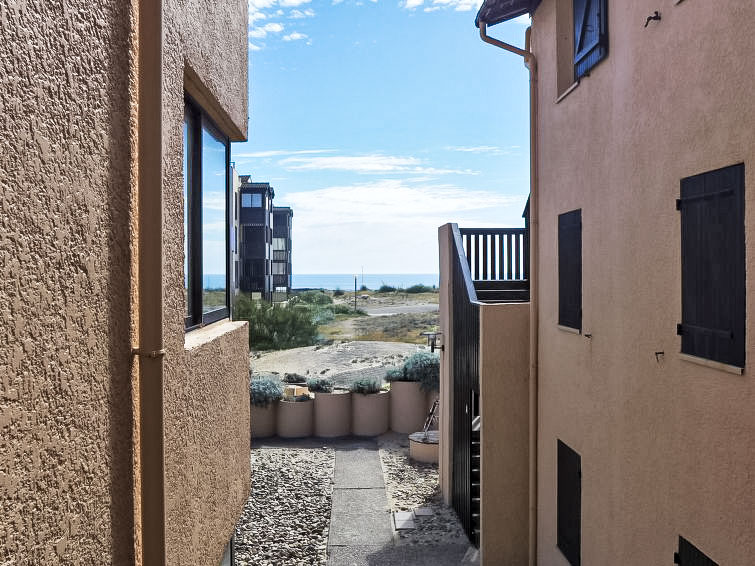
x: 466, y: 338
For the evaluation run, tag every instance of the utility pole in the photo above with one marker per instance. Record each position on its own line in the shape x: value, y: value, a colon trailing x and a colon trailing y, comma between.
x: 355, y: 293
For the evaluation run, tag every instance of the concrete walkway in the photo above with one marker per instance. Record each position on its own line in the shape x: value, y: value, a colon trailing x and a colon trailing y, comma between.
x: 361, y: 527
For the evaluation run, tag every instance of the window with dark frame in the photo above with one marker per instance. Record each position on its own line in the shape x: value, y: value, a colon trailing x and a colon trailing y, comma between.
x: 590, y: 35
x: 713, y: 265
x: 569, y: 503
x: 206, y: 219
x: 570, y: 269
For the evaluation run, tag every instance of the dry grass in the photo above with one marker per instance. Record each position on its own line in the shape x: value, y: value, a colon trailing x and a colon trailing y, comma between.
x: 396, y: 328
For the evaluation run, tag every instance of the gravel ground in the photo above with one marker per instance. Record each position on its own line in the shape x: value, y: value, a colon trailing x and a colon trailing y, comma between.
x: 410, y: 485
x: 287, y: 516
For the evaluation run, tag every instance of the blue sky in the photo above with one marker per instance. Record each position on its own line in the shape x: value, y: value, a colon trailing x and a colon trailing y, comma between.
x: 378, y: 122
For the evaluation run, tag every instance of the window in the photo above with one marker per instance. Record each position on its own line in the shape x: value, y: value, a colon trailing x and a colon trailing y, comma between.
x: 206, y: 190
x: 279, y: 268
x: 251, y: 200
x: 570, y: 269
x: 590, y: 35
x: 569, y: 503
x: 279, y: 244
x: 713, y: 265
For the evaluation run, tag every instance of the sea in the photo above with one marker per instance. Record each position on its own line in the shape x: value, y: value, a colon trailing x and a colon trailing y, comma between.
x: 343, y: 281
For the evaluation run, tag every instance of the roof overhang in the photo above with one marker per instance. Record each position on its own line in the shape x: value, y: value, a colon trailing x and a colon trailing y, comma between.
x: 494, y: 12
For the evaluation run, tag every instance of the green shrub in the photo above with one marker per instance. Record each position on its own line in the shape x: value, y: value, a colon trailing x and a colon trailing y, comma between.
x: 293, y: 378
x: 314, y: 298
x: 363, y: 288
x: 320, y: 385
x: 425, y: 368
x: 419, y: 289
x: 338, y: 293
x: 386, y: 289
x: 395, y: 374
x: 365, y: 386
x: 276, y: 327
x: 263, y: 391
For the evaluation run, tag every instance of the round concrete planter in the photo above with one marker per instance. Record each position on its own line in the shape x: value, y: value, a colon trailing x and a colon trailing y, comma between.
x: 295, y: 419
x: 263, y: 421
x: 408, y: 407
x: 333, y: 414
x: 424, y: 448
x: 369, y: 413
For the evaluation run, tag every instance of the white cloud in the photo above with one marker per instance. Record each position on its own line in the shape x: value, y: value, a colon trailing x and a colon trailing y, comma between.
x: 292, y: 3
x: 412, y: 4
x: 457, y: 5
x: 301, y: 14
x: 254, y: 47
x: 367, y: 164
x: 262, y: 31
x: 341, y: 228
x: 294, y: 36
x: 488, y: 149
x: 432, y: 9
x: 279, y: 152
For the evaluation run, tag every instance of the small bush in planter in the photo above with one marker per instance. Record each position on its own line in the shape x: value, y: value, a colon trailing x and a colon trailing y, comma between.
x: 265, y: 391
x: 320, y: 385
x: 365, y: 386
x: 395, y: 374
x: 425, y: 368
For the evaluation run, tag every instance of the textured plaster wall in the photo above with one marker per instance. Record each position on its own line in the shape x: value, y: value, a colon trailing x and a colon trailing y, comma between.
x: 206, y: 382
x: 504, y: 408
x: 65, y: 407
x: 667, y: 446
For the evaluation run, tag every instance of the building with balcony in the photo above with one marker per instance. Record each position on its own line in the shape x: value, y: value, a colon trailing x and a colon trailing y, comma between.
x: 125, y: 401
x: 609, y: 418
x: 255, y: 238
x: 282, y: 223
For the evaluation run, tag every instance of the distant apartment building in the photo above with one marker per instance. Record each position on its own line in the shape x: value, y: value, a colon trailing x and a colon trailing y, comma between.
x: 282, y: 220
x: 255, y: 237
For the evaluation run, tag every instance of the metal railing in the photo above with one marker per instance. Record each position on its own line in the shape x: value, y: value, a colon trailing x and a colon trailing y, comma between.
x: 465, y: 356
x: 496, y: 254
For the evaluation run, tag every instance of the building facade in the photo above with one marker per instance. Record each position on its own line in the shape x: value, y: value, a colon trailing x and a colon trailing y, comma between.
x: 282, y: 239
x: 125, y: 404
x: 256, y: 238
x: 639, y: 391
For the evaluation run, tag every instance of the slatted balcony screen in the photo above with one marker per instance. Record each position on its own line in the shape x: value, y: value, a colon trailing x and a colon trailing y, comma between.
x: 496, y: 254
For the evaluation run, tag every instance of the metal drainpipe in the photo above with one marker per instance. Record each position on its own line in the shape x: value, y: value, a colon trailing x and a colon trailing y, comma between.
x: 150, y: 352
x: 531, y: 62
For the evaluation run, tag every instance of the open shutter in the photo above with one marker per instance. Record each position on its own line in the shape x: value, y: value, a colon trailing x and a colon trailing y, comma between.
x: 569, y: 503
x: 570, y: 269
x: 590, y: 34
x: 713, y: 264
x: 690, y: 555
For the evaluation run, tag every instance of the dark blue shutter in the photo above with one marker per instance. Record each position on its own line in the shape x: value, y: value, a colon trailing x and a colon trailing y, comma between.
x: 569, y: 503
x: 690, y: 555
x: 590, y: 34
x: 570, y: 269
x: 713, y: 265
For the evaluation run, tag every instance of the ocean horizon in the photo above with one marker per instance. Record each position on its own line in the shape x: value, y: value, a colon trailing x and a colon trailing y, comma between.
x: 345, y: 281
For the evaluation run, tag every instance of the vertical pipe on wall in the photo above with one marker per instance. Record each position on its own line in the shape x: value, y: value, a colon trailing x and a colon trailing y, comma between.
x: 150, y: 304
x: 531, y: 63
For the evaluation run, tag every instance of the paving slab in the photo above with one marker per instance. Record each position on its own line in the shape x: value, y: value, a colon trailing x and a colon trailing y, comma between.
x: 389, y: 555
x: 403, y: 520
x: 358, y: 468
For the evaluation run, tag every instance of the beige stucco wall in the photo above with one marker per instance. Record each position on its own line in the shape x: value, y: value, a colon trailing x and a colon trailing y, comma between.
x: 206, y: 389
x: 504, y: 433
x: 66, y: 493
x: 667, y: 446
x: 445, y: 396
x: 65, y: 405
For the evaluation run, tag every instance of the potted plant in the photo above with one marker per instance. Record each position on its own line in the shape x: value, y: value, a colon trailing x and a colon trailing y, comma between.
x: 264, y: 394
x: 332, y: 408
x: 294, y: 419
x: 370, y: 408
x: 294, y: 379
x: 425, y: 367
x: 408, y: 403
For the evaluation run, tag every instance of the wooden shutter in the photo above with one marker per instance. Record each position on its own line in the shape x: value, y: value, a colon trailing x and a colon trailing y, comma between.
x: 590, y: 34
x: 569, y: 503
x: 690, y: 555
x: 713, y: 265
x: 570, y: 269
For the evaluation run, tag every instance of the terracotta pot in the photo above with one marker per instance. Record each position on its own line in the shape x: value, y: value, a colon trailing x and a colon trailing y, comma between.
x: 263, y: 421
x: 369, y: 413
x: 295, y: 419
x: 333, y: 414
x: 408, y: 407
